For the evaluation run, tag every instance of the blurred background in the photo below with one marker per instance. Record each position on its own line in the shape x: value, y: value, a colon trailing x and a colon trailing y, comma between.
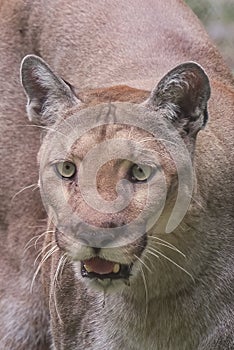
x: 218, y: 18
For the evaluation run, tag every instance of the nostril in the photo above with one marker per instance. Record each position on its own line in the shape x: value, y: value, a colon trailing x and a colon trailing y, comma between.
x: 111, y: 224
x: 108, y: 224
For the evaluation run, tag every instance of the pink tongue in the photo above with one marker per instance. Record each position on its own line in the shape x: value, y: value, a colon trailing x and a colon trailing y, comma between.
x: 100, y: 266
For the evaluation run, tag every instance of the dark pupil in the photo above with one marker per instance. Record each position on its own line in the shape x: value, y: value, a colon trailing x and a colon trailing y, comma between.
x: 67, y: 167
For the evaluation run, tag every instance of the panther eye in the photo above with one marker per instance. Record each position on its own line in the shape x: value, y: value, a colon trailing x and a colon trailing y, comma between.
x: 141, y: 172
x: 66, y: 169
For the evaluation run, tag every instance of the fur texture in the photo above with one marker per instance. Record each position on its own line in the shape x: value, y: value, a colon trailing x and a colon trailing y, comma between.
x: 94, y: 46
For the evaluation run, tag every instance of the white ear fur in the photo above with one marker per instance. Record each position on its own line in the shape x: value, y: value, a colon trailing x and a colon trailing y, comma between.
x: 48, y: 95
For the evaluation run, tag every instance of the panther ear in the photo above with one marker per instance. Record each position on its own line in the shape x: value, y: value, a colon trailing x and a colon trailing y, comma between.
x: 182, y: 95
x: 48, y: 95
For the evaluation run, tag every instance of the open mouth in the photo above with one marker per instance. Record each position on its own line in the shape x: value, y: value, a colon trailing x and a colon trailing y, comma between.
x: 102, y: 269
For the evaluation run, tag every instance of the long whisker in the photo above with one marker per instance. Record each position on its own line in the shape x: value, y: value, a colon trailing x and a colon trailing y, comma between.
x: 167, y: 244
x: 36, y: 238
x: 54, y: 249
x: 23, y: 189
x: 197, y: 202
x: 41, y: 235
x: 150, y: 262
x: 43, y: 250
x: 60, y: 268
x: 143, y: 263
x: 65, y: 260
x: 55, y: 282
x: 162, y: 240
x: 152, y: 251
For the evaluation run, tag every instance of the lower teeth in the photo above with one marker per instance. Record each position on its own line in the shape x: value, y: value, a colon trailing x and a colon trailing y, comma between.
x: 116, y: 268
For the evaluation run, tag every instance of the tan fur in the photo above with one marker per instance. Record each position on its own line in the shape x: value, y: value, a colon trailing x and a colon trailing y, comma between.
x: 94, y: 45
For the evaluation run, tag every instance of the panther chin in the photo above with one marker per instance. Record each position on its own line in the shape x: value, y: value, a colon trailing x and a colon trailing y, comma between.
x: 101, y: 274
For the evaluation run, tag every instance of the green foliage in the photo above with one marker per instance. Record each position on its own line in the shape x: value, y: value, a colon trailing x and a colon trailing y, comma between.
x: 218, y: 18
x: 209, y: 10
x: 228, y: 12
x: 201, y: 8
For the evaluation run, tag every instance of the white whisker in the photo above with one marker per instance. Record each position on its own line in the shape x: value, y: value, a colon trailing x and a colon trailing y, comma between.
x: 151, y: 250
x: 46, y: 256
x: 55, y: 283
x: 150, y: 262
x: 36, y: 238
x: 167, y: 244
x: 143, y: 263
x: 197, y: 202
x: 43, y: 250
x: 35, y: 186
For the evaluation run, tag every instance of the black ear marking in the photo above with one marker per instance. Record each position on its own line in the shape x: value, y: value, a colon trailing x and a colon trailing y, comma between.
x: 70, y: 86
x: 206, y: 117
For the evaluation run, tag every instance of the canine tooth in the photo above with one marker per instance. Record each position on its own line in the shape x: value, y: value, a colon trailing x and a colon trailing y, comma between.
x: 116, y: 268
x: 87, y: 268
